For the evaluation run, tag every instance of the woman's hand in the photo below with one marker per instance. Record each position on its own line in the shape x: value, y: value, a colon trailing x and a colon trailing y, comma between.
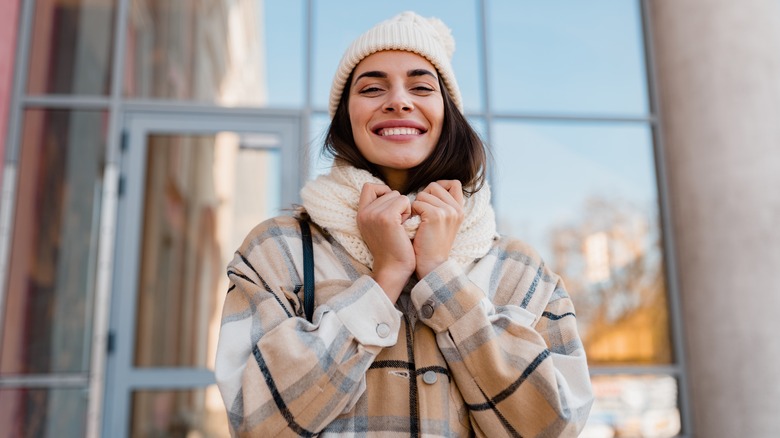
x: 380, y: 218
x: 440, y: 207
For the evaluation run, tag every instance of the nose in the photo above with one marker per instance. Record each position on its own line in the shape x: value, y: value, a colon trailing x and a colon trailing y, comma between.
x: 398, y: 101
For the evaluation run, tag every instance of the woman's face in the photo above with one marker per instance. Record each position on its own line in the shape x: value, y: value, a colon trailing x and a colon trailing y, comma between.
x: 396, y: 110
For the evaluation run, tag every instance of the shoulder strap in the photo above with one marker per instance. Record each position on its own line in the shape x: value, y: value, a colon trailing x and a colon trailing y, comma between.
x: 308, y: 270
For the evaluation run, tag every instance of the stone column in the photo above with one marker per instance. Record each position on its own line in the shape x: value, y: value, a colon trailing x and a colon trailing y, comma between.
x: 718, y: 75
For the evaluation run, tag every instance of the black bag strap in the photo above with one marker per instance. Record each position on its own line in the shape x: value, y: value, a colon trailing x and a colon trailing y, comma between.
x: 308, y: 269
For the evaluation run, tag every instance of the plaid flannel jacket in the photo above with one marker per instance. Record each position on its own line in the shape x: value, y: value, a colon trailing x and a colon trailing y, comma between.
x: 492, y: 350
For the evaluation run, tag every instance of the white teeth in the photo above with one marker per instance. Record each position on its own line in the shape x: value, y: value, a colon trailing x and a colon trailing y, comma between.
x: 398, y: 131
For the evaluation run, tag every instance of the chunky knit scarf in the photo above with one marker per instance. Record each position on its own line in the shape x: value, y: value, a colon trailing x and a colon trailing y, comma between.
x: 332, y: 201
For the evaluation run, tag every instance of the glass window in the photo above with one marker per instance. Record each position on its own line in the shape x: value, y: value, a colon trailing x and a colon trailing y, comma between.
x: 584, y: 195
x: 633, y: 406
x: 319, y: 163
x: 479, y: 125
x: 47, y: 324
x: 232, y: 53
x: 190, y: 413
x: 333, y: 34
x: 71, y: 47
x: 567, y: 56
x: 43, y: 412
x: 203, y: 194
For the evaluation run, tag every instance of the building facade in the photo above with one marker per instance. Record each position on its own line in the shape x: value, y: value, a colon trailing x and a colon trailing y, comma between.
x: 633, y: 145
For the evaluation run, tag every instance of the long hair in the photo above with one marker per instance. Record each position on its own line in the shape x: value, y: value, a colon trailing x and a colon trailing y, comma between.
x: 459, y: 154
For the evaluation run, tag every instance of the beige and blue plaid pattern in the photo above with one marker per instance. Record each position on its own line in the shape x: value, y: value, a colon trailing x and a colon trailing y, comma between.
x: 492, y: 350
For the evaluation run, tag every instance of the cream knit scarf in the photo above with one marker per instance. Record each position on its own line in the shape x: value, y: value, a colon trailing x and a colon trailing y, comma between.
x: 332, y: 200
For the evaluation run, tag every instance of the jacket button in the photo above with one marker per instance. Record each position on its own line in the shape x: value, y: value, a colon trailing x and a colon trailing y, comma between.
x: 427, y: 310
x: 430, y: 377
x: 383, y: 330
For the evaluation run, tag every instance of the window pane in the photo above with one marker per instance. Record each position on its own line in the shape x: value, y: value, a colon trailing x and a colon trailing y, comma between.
x: 567, y: 56
x: 50, y: 413
x: 584, y: 195
x: 192, y: 413
x: 233, y: 53
x: 204, y: 193
x: 71, y: 47
x: 332, y: 35
x: 633, y: 406
x: 47, y: 325
x: 479, y: 125
x: 319, y: 163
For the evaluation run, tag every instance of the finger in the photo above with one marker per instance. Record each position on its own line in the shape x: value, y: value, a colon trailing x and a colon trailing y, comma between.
x: 436, y: 208
x: 370, y: 192
x: 392, y: 200
x: 392, y: 208
x: 434, y: 200
x: 453, y: 187
x: 435, y: 190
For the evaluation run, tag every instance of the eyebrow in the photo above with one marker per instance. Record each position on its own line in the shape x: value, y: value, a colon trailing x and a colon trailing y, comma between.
x: 381, y: 74
x: 420, y: 72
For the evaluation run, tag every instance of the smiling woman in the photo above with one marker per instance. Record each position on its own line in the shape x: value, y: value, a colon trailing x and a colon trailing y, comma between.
x: 426, y: 322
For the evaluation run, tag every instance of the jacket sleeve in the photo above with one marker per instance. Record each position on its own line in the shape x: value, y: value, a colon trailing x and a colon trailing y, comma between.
x: 278, y: 374
x: 520, y: 373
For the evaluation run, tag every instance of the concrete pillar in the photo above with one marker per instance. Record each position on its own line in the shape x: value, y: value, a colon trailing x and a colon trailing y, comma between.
x: 718, y: 72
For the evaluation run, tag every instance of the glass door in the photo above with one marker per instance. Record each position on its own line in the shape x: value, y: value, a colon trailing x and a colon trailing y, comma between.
x: 193, y: 186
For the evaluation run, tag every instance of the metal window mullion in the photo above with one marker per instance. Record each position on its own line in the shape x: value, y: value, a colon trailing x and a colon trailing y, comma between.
x: 636, y: 370
x: 10, y: 174
x: 487, y: 113
x: 106, y: 236
x: 308, y: 53
x: 64, y: 380
x: 169, y: 378
x: 305, y: 123
x: 563, y: 117
x: 673, y: 293
x: 67, y: 102
x: 165, y: 107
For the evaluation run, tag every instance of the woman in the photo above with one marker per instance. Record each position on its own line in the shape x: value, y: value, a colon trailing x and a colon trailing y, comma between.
x: 427, y: 323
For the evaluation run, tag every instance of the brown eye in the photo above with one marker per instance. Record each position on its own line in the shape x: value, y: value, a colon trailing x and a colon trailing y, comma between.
x: 370, y: 90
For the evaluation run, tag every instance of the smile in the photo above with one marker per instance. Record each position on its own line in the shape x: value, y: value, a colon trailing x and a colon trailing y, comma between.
x: 399, y: 131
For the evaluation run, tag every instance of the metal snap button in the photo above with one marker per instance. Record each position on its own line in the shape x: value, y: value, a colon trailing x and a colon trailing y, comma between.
x: 383, y: 330
x: 430, y: 377
x: 426, y: 310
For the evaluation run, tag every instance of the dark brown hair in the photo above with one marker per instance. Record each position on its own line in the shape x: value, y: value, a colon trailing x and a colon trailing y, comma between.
x: 459, y: 154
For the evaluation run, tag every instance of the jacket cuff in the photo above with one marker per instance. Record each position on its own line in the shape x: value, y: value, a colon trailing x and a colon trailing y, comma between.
x: 444, y: 296
x: 371, y: 317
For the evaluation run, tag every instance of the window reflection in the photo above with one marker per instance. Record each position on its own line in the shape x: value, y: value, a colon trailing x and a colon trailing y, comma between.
x: 203, y: 194
x: 50, y: 289
x: 43, y: 412
x: 633, y: 406
x: 319, y: 163
x: 228, y: 52
x: 333, y: 35
x: 567, y: 56
x: 191, y: 413
x: 584, y: 195
x: 71, y: 47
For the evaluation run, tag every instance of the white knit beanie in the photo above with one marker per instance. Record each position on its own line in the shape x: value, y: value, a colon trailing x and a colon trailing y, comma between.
x: 427, y: 37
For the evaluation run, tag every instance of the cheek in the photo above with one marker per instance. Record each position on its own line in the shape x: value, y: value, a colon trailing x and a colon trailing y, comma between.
x: 438, y: 121
x: 356, y: 121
